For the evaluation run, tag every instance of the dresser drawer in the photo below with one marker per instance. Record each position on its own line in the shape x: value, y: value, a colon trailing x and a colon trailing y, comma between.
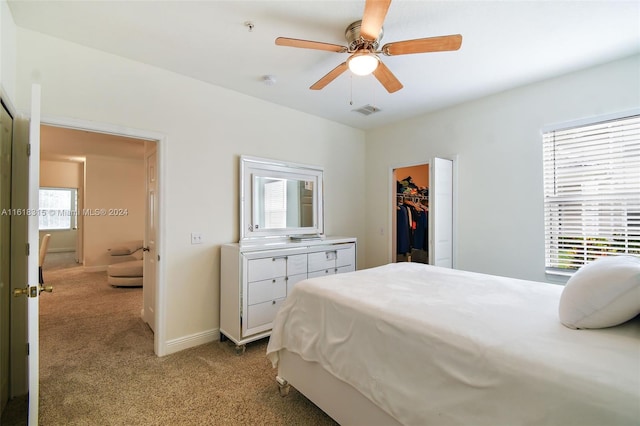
x: 346, y: 256
x: 266, y: 268
x: 348, y: 268
x: 322, y: 260
x: 292, y: 280
x: 263, y: 313
x: 322, y: 272
x: 296, y: 264
x: 266, y: 290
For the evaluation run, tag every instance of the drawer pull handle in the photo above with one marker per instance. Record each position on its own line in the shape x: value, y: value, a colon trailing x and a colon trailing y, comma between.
x: 273, y: 281
x: 273, y: 302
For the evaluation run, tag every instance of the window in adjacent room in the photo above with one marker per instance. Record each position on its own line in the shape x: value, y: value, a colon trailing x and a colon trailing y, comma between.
x: 591, y: 192
x: 58, y: 208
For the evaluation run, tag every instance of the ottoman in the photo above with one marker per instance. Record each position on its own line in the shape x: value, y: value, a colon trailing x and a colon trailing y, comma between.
x: 125, y: 274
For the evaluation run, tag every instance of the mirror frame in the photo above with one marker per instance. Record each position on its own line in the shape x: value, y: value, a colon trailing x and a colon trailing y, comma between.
x: 251, y: 167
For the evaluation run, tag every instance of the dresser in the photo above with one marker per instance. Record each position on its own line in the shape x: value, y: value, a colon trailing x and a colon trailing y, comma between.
x: 255, y: 280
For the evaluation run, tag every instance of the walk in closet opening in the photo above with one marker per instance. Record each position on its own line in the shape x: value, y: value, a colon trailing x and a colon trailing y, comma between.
x: 411, y: 214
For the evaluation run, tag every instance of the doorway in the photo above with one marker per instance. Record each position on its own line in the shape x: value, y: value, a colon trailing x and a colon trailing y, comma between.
x: 423, y: 212
x: 109, y: 173
x: 411, y: 214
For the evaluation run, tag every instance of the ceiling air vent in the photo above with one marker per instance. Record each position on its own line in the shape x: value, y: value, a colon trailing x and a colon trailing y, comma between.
x: 367, y: 109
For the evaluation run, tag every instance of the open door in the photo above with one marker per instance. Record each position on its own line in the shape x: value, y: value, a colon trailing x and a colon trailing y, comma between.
x: 441, y: 213
x: 33, y: 275
x: 150, y: 250
x: 32, y: 288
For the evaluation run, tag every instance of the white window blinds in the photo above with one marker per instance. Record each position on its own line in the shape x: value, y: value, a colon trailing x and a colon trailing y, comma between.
x: 591, y: 193
x: 58, y: 208
x: 275, y: 204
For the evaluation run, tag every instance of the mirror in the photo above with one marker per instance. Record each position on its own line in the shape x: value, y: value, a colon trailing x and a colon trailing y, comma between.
x: 282, y: 203
x: 279, y: 199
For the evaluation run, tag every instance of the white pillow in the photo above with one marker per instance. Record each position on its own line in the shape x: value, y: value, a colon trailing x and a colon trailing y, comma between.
x: 603, y: 293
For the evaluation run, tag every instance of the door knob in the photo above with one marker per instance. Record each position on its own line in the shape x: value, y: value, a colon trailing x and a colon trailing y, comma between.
x: 47, y: 288
x: 20, y: 291
x: 32, y: 291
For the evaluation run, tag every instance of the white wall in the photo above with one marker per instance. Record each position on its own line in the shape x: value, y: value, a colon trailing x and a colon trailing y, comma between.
x: 7, y: 52
x: 60, y: 174
x: 206, y: 129
x: 115, y: 190
x: 498, y: 142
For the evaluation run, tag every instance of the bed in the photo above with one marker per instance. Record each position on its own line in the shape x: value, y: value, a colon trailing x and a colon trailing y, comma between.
x: 415, y: 344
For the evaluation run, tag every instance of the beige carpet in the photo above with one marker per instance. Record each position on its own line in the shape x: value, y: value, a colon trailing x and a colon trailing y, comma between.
x: 98, y: 367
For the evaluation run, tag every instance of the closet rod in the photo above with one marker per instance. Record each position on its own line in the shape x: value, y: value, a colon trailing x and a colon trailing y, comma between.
x: 413, y: 197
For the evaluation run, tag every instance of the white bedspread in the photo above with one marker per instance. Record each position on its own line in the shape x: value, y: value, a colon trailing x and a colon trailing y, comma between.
x: 438, y: 346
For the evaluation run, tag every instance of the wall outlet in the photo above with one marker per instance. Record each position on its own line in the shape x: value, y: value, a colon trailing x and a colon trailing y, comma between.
x: 196, y: 238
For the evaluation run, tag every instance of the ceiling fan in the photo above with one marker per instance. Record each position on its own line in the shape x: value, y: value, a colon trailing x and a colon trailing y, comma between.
x: 363, y: 39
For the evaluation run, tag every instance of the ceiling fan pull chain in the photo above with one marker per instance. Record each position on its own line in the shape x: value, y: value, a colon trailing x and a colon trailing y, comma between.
x: 351, y: 89
x: 374, y: 92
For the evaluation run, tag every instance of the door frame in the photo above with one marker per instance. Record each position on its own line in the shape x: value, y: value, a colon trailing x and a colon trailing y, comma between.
x: 6, y: 357
x: 159, y: 336
x: 391, y: 200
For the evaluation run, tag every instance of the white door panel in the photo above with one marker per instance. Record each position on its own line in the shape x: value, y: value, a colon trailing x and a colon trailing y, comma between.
x: 441, y: 213
x: 33, y: 239
x: 149, y: 284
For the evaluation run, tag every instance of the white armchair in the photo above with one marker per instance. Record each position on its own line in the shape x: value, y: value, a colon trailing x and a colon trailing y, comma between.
x: 126, y: 268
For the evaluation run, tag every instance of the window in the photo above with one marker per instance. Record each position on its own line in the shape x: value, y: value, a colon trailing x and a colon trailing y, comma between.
x: 275, y: 204
x: 58, y: 208
x: 591, y: 192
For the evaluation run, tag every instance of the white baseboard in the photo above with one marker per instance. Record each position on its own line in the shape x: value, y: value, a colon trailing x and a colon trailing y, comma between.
x: 61, y: 250
x: 99, y: 268
x: 186, y: 342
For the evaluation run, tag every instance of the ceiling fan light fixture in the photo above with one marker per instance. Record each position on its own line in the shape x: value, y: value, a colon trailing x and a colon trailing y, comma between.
x: 363, y: 63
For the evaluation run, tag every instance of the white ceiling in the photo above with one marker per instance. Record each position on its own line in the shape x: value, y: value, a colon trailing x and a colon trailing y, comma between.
x: 505, y: 44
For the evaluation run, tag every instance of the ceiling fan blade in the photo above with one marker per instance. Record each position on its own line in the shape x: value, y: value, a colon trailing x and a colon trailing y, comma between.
x: 423, y: 45
x: 373, y: 17
x: 331, y: 75
x: 307, y: 44
x: 386, y: 77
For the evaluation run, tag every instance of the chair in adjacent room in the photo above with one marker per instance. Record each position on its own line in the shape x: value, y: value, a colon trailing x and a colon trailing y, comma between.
x: 44, y: 245
x: 126, y: 266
